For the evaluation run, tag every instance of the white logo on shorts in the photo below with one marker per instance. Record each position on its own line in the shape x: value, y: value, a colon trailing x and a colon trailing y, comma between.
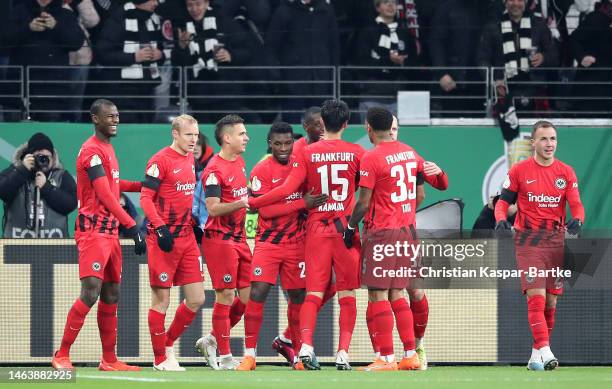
x: 96, y: 266
x: 227, y: 278
x: 163, y: 277
x: 529, y: 279
x: 257, y: 271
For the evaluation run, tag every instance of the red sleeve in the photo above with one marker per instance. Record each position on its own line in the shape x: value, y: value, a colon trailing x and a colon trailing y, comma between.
x: 501, y: 210
x: 291, y: 184
x: 367, y: 171
x: 130, y: 186
x: 148, y: 206
x: 573, y: 197
x: 104, y: 194
x: 439, y: 181
x: 281, y: 209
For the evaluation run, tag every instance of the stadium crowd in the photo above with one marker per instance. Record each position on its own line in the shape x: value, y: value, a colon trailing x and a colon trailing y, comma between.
x: 520, y: 37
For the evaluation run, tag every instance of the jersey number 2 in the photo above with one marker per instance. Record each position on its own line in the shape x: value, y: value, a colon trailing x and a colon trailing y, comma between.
x: 406, y: 182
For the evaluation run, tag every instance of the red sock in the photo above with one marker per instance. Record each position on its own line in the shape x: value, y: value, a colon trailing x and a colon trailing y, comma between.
x: 347, y: 319
x: 549, y: 314
x: 182, y: 319
x: 330, y: 292
x: 372, y: 328
x: 383, y: 317
x: 107, y: 324
x: 236, y: 312
x: 308, y: 317
x: 252, y: 323
x: 287, y: 334
x: 420, y: 313
x: 221, y: 327
x: 157, y: 330
x: 293, y: 316
x: 537, y: 321
x: 404, y: 322
x: 74, y: 322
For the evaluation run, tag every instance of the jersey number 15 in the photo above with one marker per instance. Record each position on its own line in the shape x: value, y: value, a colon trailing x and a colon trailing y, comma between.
x: 324, y: 171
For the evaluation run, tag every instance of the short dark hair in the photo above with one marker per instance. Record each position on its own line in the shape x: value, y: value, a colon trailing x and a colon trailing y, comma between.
x: 541, y: 124
x: 335, y: 113
x: 98, y: 104
x: 223, y: 123
x: 310, y: 112
x: 280, y: 128
x: 379, y: 118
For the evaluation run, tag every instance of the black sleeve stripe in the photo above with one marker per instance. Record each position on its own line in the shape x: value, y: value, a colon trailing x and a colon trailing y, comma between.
x: 509, y: 196
x: 96, y: 172
x: 213, y: 191
x: 151, y: 182
x: 420, y: 179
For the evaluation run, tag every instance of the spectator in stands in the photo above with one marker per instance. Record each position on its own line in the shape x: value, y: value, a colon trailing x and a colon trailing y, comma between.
x: 42, y: 33
x: 88, y: 18
x: 207, y: 43
x: 384, y: 43
x: 131, y: 38
x: 453, y: 42
x: 304, y: 33
x: 128, y: 206
x: 38, y: 193
x: 591, y: 47
x: 484, y: 226
x: 257, y: 11
x: 525, y: 43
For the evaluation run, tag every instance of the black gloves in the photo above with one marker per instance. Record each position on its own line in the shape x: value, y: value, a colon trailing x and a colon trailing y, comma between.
x: 348, y: 236
x: 574, y: 226
x: 140, y: 246
x: 503, y: 225
x: 164, y: 238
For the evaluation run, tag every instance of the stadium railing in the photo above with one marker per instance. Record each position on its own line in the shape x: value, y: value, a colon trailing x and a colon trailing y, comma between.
x: 51, y: 93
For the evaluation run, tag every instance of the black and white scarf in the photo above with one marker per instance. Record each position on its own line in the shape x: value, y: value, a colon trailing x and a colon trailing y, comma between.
x: 133, y: 41
x: 387, y: 40
x: 201, y: 47
x: 516, y: 58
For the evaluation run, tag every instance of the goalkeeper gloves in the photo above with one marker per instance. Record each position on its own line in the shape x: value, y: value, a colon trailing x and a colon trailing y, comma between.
x: 140, y: 246
x: 164, y: 238
x: 348, y: 236
x: 574, y: 226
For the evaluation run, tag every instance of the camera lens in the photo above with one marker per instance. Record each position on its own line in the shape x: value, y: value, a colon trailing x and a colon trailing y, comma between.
x: 41, y: 161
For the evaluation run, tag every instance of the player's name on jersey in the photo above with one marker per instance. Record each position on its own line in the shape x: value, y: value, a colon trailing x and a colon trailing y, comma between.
x: 332, y: 157
x: 331, y: 206
x: 400, y: 157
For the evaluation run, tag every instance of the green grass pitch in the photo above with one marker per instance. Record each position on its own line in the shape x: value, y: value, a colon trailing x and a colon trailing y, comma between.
x: 489, y: 377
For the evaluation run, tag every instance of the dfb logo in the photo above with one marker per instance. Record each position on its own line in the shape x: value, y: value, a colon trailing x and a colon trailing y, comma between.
x: 163, y: 277
x: 227, y: 278
x: 96, y: 266
x: 257, y: 271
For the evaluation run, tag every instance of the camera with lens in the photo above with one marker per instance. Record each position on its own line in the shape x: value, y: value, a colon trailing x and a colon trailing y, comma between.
x: 41, y: 162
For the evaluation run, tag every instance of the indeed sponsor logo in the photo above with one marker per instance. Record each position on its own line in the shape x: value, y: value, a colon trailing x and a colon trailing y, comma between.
x: 294, y: 196
x: 240, y: 192
x: 185, y: 187
x: 542, y: 198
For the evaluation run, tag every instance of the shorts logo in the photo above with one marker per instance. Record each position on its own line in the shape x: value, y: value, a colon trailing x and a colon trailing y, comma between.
x: 558, y: 284
x: 257, y: 271
x: 163, y: 277
x: 560, y: 183
x: 529, y: 279
x: 96, y: 266
x: 227, y: 278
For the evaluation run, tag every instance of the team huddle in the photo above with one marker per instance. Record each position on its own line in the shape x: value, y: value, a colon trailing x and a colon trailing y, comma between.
x: 307, y: 234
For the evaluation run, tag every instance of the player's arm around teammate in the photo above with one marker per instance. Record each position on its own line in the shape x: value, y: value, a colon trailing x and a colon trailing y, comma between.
x: 174, y: 256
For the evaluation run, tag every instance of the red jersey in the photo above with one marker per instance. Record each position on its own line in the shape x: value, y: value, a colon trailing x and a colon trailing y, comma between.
x: 93, y: 216
x: 392, y: 170
x: 169, y: 185
x: 288, y: 228
x: 330, y: 167
x: 226, y: 180
x: 541, y: 193
x: 299, y: 145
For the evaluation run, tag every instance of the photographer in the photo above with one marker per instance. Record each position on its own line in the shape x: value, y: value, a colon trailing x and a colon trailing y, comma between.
x: 38, y: 193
